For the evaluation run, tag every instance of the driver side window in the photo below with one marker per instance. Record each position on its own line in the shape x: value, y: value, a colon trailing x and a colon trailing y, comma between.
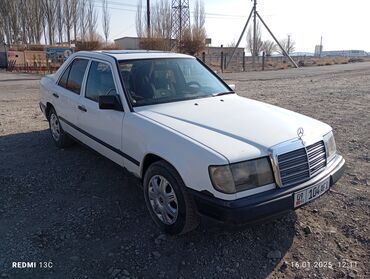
x: 99, y: 81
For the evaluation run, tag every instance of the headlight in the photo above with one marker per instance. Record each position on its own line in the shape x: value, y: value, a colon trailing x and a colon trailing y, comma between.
x: 241, y: 176
x: 330, y: 146
x: 222, y: 179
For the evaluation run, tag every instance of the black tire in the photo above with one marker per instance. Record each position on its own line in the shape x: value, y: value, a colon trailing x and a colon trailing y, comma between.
x: 62, y: 140
x: 187, y: 218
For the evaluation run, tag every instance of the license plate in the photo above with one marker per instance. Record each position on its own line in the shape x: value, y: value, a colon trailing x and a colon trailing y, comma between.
x: 310, y: 193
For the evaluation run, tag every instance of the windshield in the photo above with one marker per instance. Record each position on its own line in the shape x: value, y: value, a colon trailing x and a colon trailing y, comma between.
x: 156, y: 81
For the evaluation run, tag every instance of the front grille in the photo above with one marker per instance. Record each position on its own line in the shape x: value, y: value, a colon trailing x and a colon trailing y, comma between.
x: 300, y: 165
x: 316, y: 157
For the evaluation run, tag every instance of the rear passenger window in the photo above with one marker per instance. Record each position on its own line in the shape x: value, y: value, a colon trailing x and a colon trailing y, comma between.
x: 64, y: 78
x: 99, y: 81
x: 73, y: 75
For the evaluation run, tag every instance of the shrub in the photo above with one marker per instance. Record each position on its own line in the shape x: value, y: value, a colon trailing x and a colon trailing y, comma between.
x: 110, y: 46
x: 88, y: 45
x: 300, y: 63
x: 153, y: 43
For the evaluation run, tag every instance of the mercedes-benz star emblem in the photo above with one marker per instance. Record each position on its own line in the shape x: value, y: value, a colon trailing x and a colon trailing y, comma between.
x: 300, y: 132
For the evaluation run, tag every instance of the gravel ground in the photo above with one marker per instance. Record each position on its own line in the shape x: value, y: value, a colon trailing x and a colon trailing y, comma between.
x: 80, y: 213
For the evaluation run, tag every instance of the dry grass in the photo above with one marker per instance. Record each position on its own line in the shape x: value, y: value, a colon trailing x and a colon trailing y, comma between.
x: 330, y: 61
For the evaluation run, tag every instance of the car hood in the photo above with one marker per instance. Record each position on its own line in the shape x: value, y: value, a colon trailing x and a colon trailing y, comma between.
x: 236, y: 127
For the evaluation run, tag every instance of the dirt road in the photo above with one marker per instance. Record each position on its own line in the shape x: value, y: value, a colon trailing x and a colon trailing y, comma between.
x: 83, y: 217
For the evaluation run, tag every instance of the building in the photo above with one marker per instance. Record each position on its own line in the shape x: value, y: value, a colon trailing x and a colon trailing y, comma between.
x: 128, y: 43
x: 318, y: 50
x: 344, y: 53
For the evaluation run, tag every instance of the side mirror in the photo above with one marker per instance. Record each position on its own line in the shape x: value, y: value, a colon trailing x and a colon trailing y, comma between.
x: 110, y: 102
x: 232, y: 86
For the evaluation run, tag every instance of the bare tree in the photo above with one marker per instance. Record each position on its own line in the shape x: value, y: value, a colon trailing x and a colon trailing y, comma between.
x: 259, y: 42
x: 91, y: 20
x: 14, y: 24
x: 83, y: 18
x: 159, y: 36
x: 269, y: 47
x: 232, y: 44
x: 4, y: 19
x: 2, y: 30
x: 22, y: 11
x: 36, y: 20
x: 49, y: 7
x: 194, y: 39
x: 288, y: 44
x: 67, y: 12
x: 140, y: 25
x: 199, y: 15
x: 27, y: 21
x: 44, y: 27
x: 161, y: 22
x: 75, y: 17
x: 59, y: 20
x: 105, y: 20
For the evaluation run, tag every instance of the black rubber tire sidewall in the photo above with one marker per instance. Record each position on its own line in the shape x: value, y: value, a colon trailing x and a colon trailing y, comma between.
x: 64, y: 140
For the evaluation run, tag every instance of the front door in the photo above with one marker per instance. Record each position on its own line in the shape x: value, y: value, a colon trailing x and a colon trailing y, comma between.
x: 101, y: 129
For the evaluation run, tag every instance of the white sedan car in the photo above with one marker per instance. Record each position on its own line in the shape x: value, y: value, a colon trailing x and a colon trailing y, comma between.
x: 198, y: 148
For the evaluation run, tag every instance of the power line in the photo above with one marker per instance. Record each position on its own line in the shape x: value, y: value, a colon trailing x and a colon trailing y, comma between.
x: 120, y: 4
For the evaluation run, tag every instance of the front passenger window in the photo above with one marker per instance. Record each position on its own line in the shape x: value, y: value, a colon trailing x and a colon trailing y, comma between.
x: 99, y: 81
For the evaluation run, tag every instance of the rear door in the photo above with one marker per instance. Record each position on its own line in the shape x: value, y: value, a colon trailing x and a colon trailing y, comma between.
x: 68, y: 94
x: 102, y: 129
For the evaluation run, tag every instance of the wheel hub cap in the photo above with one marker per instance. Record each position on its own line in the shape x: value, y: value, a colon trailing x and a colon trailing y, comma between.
x: 163, y: 199
x: 55, y: 127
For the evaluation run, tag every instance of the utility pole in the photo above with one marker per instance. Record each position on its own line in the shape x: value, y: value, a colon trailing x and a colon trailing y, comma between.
x: 180, y: 22
x: 256, y: 14
x: 254, y: 33
x: 148, y: 17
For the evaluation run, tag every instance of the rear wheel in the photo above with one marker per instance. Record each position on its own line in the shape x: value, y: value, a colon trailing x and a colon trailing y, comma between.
x: 60, y: 138
x: 171, y: 208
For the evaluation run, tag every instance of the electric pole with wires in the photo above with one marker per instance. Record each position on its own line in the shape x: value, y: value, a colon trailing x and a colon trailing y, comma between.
x: 256, y: 15
x: 148, y: 17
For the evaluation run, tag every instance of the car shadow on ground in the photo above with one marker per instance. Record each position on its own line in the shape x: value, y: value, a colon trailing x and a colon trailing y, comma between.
x: 85, y: 215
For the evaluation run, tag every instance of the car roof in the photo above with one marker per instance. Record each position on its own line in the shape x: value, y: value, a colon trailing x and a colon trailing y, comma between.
x: 135, y: 54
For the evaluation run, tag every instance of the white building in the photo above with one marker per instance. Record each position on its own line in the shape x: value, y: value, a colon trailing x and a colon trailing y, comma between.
x: 344, y: 53
x: 128, y: 43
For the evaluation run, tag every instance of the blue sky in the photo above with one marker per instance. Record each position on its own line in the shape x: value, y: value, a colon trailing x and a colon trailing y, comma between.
x: 343, y: 24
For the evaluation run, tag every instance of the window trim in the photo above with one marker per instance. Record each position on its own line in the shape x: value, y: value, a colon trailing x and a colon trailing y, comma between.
x: 87, y: 76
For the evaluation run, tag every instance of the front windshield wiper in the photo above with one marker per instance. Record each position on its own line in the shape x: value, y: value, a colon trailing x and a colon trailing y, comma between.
x: 223, y: 93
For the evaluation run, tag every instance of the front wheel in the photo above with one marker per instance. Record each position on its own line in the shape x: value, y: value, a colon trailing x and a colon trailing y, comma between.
x: 60, y: 138
x: 171, y: 208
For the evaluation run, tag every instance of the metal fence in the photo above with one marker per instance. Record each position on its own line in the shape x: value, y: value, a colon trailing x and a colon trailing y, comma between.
x: 245, y: 63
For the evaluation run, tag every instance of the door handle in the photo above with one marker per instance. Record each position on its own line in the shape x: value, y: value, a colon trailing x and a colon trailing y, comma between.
x: 55, y: 95
x: 82, y: 108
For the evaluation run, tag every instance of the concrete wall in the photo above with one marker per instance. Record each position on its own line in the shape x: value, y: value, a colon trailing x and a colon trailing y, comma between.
x: 28, y: 57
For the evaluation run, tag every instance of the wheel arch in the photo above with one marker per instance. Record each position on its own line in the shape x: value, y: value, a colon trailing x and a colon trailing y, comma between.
x: 151, y: 158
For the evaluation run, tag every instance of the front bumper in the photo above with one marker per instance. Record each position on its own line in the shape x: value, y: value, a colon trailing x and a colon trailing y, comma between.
x: 262, y: 205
